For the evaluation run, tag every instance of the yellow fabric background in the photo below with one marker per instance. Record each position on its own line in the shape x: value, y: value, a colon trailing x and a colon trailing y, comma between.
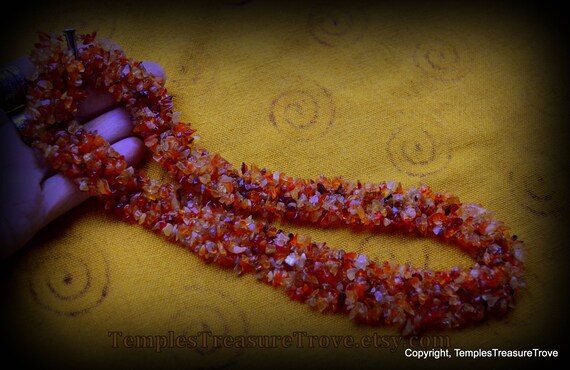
x: 464, y: 100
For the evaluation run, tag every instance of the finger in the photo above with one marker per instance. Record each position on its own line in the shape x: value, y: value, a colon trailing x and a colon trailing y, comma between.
x: 16, y: 156
x: 156, y: 70
x: 100, y: 101
x: 20, y: 176
x: 113, y: 125
x: 60, y: 194
x: 25, y: 66
x: 13, y: 77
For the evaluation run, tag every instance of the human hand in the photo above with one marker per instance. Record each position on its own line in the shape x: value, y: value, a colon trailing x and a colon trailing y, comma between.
x: 31, y: 195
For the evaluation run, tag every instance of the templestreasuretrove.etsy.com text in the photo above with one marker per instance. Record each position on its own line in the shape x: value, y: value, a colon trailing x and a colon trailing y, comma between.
x: 297, y: 339
x: 424, y: 347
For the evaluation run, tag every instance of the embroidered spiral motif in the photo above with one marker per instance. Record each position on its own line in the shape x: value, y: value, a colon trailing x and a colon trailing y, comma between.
x: 537, y: 187
x: 209, y: 312
x: 303, y: 112
x: 334, y: 25
x: 419, y: 151
x: 70, y: 283
x: 442, y: 60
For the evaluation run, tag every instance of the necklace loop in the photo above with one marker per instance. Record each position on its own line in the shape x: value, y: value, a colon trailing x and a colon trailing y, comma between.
x: 210, y: 208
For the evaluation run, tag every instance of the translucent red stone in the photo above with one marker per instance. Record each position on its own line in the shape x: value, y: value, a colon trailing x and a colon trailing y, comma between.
x: 210, y: 209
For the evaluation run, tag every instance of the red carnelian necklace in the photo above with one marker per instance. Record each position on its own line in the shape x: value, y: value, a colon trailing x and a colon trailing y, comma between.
x: 209, y: 210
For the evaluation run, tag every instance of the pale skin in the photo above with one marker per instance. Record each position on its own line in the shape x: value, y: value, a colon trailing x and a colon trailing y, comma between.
x: 31, y: 196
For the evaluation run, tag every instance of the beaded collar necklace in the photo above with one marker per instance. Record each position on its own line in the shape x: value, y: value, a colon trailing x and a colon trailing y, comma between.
x: 210, y: 207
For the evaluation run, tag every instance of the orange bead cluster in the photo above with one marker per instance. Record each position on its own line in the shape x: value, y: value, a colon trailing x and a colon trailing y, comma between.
x: 210, y: 208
